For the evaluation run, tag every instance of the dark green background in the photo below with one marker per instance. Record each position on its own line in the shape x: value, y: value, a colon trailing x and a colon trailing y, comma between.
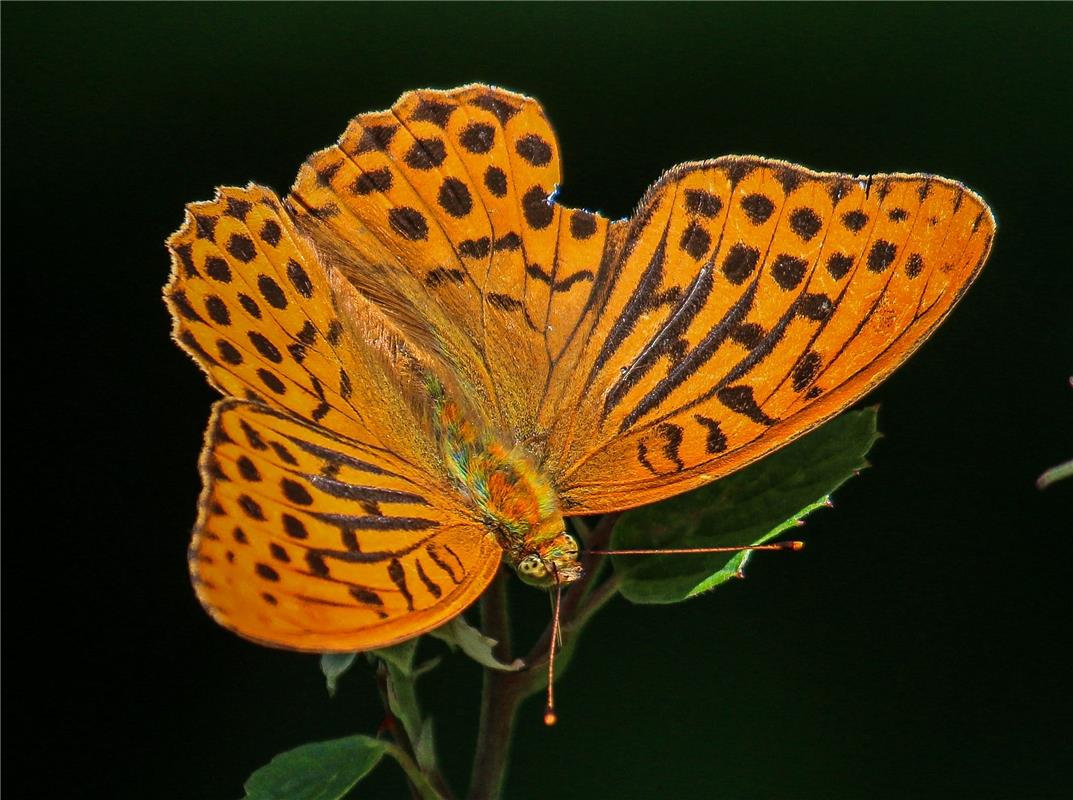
x: 916, y: 648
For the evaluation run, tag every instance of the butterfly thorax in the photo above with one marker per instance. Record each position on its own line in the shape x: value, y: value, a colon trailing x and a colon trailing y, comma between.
x: 516, y: 500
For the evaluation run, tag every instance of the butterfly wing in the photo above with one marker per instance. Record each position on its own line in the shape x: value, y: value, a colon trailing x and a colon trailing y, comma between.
x: 304, y: 540
x: 326, y: 522
x: 751, y: 301
x: 440, y: 212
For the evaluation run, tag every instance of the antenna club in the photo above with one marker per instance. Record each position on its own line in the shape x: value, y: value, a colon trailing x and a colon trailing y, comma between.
x: 550, y: 717
x: 796, y: 545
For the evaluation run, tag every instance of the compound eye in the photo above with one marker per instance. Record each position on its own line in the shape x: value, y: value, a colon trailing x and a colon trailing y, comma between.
x: 532, y: 565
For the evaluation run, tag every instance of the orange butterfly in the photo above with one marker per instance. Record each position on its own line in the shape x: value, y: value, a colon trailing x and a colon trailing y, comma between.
x: 428, y: 362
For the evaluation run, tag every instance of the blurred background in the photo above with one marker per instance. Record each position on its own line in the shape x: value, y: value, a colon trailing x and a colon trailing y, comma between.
x: 916, y: 649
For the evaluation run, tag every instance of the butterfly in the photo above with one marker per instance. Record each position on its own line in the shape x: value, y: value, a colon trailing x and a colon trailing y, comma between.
x: 427, y: 362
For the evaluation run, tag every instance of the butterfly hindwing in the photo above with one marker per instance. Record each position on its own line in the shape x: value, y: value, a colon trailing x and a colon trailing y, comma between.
x: 753, y: 300
x: 308, y: 541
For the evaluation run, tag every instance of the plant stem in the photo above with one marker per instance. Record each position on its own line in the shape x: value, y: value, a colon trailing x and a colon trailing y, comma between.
x: 499, y: 701
x: 418, y: 782
x: 504, y: 691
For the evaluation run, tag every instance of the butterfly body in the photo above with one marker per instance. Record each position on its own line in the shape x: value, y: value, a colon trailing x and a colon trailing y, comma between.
x: 582, y: 365
x: 516, y: 502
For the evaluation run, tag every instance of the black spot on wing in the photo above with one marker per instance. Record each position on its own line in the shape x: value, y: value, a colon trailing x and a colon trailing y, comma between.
x: 739, y: 399
x: 454, y: 197
x: 186, y: 258
x: 495, y: 180
x: 855, y: 220
x: 376, y: 137
x: 504, y: 302
x: 805, y: 370
x: 241, y: 247
x: 271, y: 292
x: 537, y: 210
x: 308, y: 333
x: 440, y: 276
x: 251, y: 508
x: 434, y: 111
x: 806, y: 223
x: 217, y: 269
x: 271, y: 233
x: 672, y: 442
x: 788, y: 271
x: 509, y: 241
x: 477, y: 137
x: 265, y: 347
x: 758, y: 208
x: 740, y: 262
x: 475, y: 248
x: 266, y: 572
x: 205, y: 227
x: 534, y: 149
x: 182, y: 305
x: 716, y: 440
x: 642, y: 458
x: 397, y: 574
x: 838, y: 264
x: 296, y: 492
x: 408, y: 223
x: 501, y: 108
x: 816, y: 307
x: 695, y: 241
x: 566, y: 283
x: 294, y: 527
x: 250, y: 305
x: 582, y: 224
x: 882, y: 255
x: 377, y: 180
x: 702, y: 203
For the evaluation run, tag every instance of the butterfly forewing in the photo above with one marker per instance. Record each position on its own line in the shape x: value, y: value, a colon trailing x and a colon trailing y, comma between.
x: 449, y: 197
x: 753, y: 300
x: 307, y: 541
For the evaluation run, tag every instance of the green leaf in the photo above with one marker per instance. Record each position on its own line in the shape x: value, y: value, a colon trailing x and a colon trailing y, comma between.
x: 748, y: 507
x: 425, y: 746
x: 318, y: 771
x: 402, y: 687
x: 334, y: 665
x: 401, y: 656
x: 459, y: 633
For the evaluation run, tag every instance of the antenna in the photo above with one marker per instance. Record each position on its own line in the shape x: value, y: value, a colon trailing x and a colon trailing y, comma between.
x: 794, y: 545
x: 550, y: 717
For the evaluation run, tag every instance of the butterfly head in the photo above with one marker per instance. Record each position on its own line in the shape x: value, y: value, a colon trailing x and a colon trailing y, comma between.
x: 552, y: 562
